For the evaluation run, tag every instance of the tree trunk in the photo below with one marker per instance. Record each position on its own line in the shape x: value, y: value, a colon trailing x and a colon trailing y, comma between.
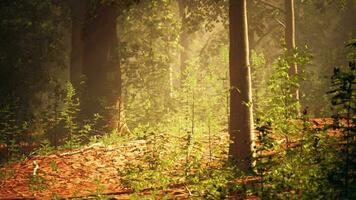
x: 183, y: 38
x: 101, y: 65
x: 78, y: 13
x: 241, y: 119
x: 290, y: 37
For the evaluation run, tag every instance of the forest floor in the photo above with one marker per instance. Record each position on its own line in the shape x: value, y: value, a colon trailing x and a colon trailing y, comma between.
x: 85, y: 173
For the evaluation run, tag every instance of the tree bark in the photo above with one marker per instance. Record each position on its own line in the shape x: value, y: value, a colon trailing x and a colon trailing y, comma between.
x: 290, y: 37
x: 241, y: 119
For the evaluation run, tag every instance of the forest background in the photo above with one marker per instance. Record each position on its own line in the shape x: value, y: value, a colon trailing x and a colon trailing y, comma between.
x: 78, y: 70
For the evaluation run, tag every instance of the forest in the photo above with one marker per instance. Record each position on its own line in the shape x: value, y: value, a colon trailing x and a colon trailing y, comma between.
x: 178, y: 99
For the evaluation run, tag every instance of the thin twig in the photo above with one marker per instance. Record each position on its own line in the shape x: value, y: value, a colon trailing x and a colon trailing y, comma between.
x: 279, y: 22
x: 128, y: 191
x: 80, y: 150
x: 263, y: 36
x: 273, y: 6
x: 189, y: 192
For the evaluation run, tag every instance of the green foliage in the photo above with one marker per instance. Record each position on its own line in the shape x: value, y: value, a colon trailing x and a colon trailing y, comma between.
x: 310, y: 165
x: 302, y: 172
x: 58, y: 122
x: 179, y: 122
x: 149, y: 33
x: 277, y: 104
x: 12, y: 132
x: 183, y: 120
x: 37, y: 183
x: 165, y: 163
x: 45, y: 148
x: 61, y: 124
x: 30, y: 39
x: 183, y: 145
x: 113, y: 138
x: 344, y: 86
x: 205, y: 14
x: 215, y: 183
x: 296, y: 169
x: 260, y: 73
x: 68, y: 114
x: 31, y: 52
x: 152, y: 168
x: 100, y: 188
x: 343, y: 101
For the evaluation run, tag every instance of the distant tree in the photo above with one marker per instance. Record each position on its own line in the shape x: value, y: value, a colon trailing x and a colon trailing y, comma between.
x: 100, y: 61
x: 264, y: 25
x: 241, y: 119
x: 149, y: 33
x: 290, y: 37
x: 183, y: 37
x: 94, y: 58
x: 313, y: 16
x: 196, y: 16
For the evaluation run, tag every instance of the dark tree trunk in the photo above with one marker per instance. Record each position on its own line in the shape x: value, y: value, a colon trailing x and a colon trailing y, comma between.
x: 101, y: 65
x: 241, y: 119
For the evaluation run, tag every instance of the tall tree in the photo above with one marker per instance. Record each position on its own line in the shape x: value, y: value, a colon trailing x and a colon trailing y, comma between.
x: 241, y: 119
x: 100, y: 62
x: 183, y: 37
x: 94, y: 46
x: 290, y: 37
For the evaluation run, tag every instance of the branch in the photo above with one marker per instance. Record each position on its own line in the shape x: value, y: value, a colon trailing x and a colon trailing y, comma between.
x: 273, y: 6
x: 279, y: 22
x: 210, y: 39
x: 254, y: 45
x: 205, y: 46
x: 130, y: 191
x: 80, y: 150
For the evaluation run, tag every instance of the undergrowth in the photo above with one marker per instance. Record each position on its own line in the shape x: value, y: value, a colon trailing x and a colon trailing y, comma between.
x: 187, y: 147
x: 301, y: 159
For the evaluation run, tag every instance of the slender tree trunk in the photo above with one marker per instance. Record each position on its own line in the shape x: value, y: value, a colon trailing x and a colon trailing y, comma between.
x: 241, y: 119
x: 290, y: 37
x: 78, y: 13
x: 184, y: 42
